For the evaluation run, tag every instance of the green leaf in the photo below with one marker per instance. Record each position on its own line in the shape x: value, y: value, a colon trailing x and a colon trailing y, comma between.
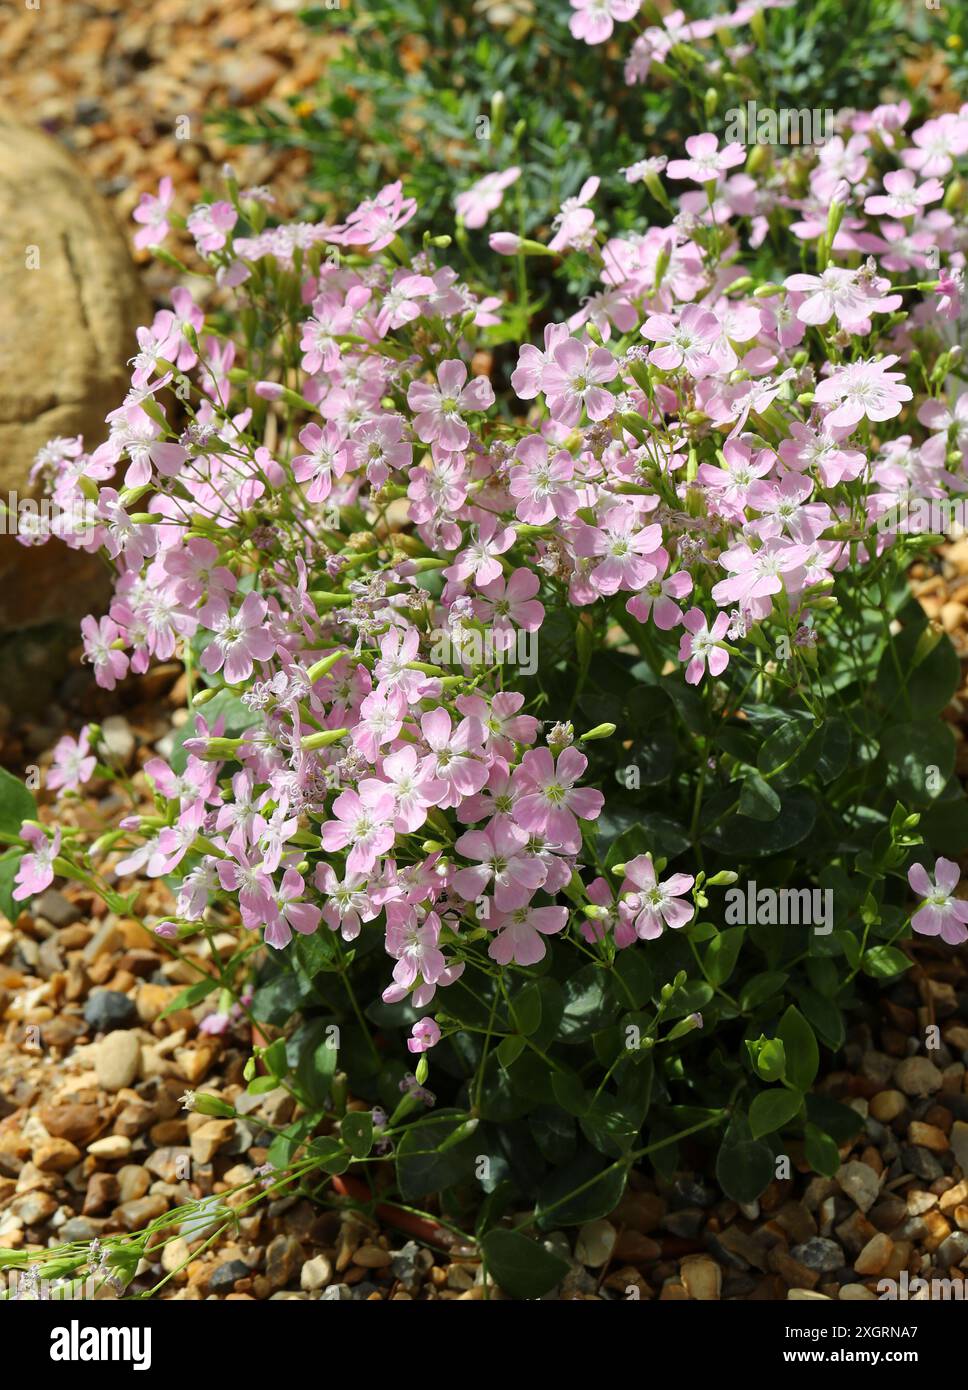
x: 841, y: 1122
x: 926, y: 687
x: 821, y: 1151
x: 587, y: 1005
x: 884, y: 962
x: 744, y: 1169
x: 521, y: 1267
x: 758, y: 799
x: 421, y: 1168
x: 761, y: 988
x: 802, y: 1053
x: 823, y: 1014
x: 919, y: 759
x: 9, y: 864
x: 771, y: 1110
x: 722, y: 953
x: 569, y: 1092
x: 275, y: 1058
x: 16, y: 803
x: 526, y: 1009
x: 582, y: 1191
x: 356, y: 1131
x: 794, y: 747
x: 192, y: 995
x: 509, y: 1049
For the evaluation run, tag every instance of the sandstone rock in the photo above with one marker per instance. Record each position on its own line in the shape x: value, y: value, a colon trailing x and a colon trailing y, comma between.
x: 316, y: 1273
x: 111, y: 1147
x: 702, y: 1277
x: 209, y: 1138
x: 875, y: 1255
x: 917, y: 1076
x: 117, y: 1060
x: 78, y: 1123
x: 56, y: 1155
x: 66, y: 330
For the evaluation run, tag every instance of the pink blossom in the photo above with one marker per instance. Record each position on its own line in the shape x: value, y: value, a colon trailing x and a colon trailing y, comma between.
x: 239, y: 639
x: 110, y: 665
x: 152, y: 211
x: 903, y: 197
x: 425, y: 1034
x: 36, y: 869
x: 519, y: 934
x: 658, y: 599
x: 649, y: 905
x: 439, y: 418
x: 506, y: 605
x: 550, y: 803
x: 479, y: 558
x: 288, y: 913
x: 366, y: 823
x: 540, y: 483
x: 864, y: 388
x: 210, y: 224
x: 515, y: 876
x: 476, y: 203
x: 594, y: 20
x: 937, y: 144
x: 376, y: 221
x: 844, y: 293
x: 575, y: 379
x: 73, y: 764
x: 688, y: 342
x: 943, y: 914
x: 702, y: 644
x: 707, y: 163
x: 454, y: 757
x: 575, y: 222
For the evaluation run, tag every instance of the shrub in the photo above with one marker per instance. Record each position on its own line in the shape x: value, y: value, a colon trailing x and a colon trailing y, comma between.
x: 579, y: 735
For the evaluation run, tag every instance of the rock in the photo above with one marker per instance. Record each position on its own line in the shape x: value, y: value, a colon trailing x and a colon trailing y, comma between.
x: 337, y: 1293
x: 596, y: 1241
x: 952, y: 1250
x: 928, y: 1136
x: 209, y: 1138
x: 171, y: 1163
x: 921, y: 1162
x: 174, y: 1254
x: 102, y: 1193
x: 81, y: 1228
x: 133, y: 1182
x: 686, y: 1223
x: 372, y: 1257
x: 317, y: 1273
x: 856, y: 1293
x: 225, y: 1277
x: 118, y: 739
x: 702, y: 1277
x: 78, y: 1123
x: 860, y: 1183
x: 111, y: 1147
x: 641, y: 1211
x: 917, y: 1076
x: 55, y: 908
x: 284, y: 1257
x: 108, y: 1009
x: 83, y: 302
x: 117, y: 1060
x: 56, y: 1155
x: 133, y: 1215
x: 152, y: 999
x: 819, y: 1254
x: 887, y: 1105
x: 874, y: 1257
x: 34, y: 1208
x: 959, y: 1144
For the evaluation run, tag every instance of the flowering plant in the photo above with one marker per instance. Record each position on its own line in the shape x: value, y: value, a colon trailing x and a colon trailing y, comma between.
x: 512, y: 698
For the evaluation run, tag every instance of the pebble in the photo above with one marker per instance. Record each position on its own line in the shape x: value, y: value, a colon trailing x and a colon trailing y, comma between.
x: 959, y: 1144
x: 917, y: 1076
x: 33, y: 1208
x: 928, y: 1136
x: 702, y: 1278
x: 952, y: 1249
x: 856, y: 1293
x: 206, y: 1141
x: 118, y: 739
x: 117, y: 1060
x: 874, y: 1257
x: 133, y: 1181
x: 133, y: 1215
x: 108, y: 1009
x: 284, y: 1257
x: 921, y: 1162
x: 860, y: 1183
x: 372, y: 1257
x: 225, y: 1277
x: 819, y: 1254
x: 78, y: 1123
x: 686, y: 1223
x: 112, y: 1146
x: 596, y: 1241
x: 56, y: 1155
x: 55, y: 908
x: 316, y: 1273
x: 887, y: 1105
x: 170, y: 1163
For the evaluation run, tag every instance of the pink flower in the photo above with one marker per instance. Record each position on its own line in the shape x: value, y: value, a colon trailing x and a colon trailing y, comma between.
x: 864, y: 388
x: 425, y: 1034
x: 516, y: 875
x: 366, y: 823
x: 152, y: 212
x: 438, y: 419
x: 550, y: 803
x: 453, y: 758
x: 479, y: 558
x: 414, y: 789
x: 688, y: 343
x: 240, y: 638
x: 414, y: 945
x: 324, y: 460
x: 541, y: 484
x: 36, y: 870
x: 707, y: 163
x: 701, y: 645
x: 903, y: 199
x: 287, y: 913
x: 110, y: 666
x: 511, y: 604
x: 756, y: 574
x: 376, y: 221
x: 594, y: 20
x: 575, y: 222
x: 210, y: 224
x: 937, y: 144
x: 476, y: 203
x: 658, y: 598
x: 844, y: 293
x: 348, y: 902
x: 74, y: 763
x: 651, y: 906
x: 627, y: 551
x: 943, y: 914
x: 519, y: 934
x: 575, y: 379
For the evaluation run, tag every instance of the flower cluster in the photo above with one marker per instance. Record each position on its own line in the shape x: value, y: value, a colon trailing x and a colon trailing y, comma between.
x: 309, y: 515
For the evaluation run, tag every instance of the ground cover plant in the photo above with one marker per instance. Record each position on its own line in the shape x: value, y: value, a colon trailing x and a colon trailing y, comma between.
x: 568, y: 758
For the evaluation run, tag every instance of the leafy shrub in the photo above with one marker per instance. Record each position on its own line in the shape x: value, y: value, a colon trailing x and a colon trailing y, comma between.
x: 515, y: 699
